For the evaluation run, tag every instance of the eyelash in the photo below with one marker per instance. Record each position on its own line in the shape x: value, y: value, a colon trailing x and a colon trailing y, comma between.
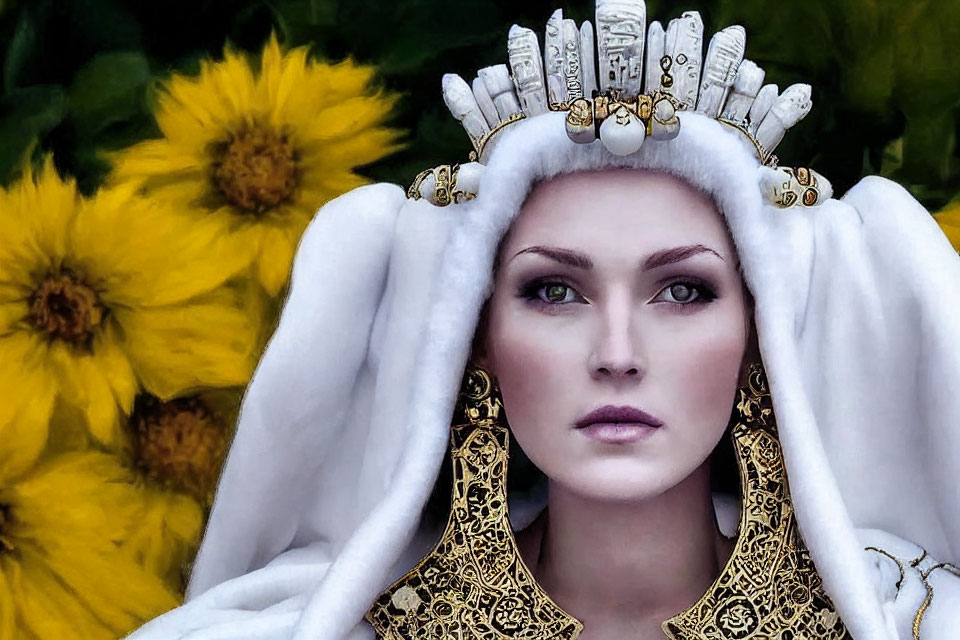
x: 531, y: 292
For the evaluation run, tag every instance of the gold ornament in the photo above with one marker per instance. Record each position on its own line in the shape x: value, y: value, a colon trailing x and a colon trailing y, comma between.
x: 786, y: 187
x: 442, y: 186
x: 769, y: 587
x: 475, y: 586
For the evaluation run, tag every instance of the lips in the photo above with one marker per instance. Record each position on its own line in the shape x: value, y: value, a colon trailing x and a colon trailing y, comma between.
x: 610, y: 414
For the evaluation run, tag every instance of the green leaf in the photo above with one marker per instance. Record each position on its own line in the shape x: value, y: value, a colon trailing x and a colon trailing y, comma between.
x: 19, y: 50
x: 110, y: 88
x: 26, y: 115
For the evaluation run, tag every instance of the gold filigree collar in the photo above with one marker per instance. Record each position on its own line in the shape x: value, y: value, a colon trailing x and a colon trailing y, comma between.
x: 474, y: 584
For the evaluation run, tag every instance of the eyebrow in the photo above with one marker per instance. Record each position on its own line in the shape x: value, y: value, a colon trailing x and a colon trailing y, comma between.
x: 654, y: 260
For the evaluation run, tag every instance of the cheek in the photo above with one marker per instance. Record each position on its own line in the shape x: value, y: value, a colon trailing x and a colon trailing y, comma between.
x: 703, y: 370
x: 532, y: 364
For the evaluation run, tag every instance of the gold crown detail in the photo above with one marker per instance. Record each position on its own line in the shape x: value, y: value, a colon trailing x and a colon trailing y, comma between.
x: 647, y: 75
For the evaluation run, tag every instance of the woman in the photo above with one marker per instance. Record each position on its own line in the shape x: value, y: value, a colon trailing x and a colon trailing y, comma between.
x: 347, y: 421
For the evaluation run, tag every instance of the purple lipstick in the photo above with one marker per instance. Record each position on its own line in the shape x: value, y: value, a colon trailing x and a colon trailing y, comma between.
x: 618, y: 425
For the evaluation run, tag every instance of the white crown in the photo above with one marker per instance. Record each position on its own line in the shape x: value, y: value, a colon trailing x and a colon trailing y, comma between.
x: 646, y: 75
x: 665, y: 69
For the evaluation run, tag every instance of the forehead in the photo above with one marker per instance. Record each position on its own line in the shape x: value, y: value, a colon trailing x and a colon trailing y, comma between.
x: 629, y: 208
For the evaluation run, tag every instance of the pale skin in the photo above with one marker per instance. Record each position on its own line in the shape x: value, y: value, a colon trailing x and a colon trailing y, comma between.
x: 620, y: 287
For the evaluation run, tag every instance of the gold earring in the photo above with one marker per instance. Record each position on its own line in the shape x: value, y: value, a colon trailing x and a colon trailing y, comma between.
x: 473, y: 585
x: 769, y: 586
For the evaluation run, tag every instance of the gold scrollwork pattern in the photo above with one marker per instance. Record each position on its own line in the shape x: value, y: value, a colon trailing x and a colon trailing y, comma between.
x: 800, y: 186
x: 769, y: 587
x: 924, y: 574
x: 445, y: 189
x: 473, y: 585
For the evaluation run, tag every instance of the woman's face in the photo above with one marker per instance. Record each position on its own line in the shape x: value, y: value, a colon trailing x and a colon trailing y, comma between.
x: 617, y: 289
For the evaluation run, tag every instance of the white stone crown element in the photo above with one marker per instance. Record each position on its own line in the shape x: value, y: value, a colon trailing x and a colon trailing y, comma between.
x: 621, y: 62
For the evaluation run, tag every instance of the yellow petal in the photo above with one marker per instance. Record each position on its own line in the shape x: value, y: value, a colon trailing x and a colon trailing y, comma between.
x: 13, y: 316
x: 116, y: 367
x: 47, y: 609
x: 219, y: 100
x: 122, y: 595
x: 276, y: 257
x: 207, y: 342
x: 324, y: 85
x: 157, y: 159
x: 8, y: 618
x: 166, y: 535
x: 85, y: 386
x: 949, y: 220
x: 344, y: 119
x: 360, y: 149
x: 281, y: 77
x: 28, y: 391
x: 35, y: 217
x: 137, y: 252
x: 72, y: 515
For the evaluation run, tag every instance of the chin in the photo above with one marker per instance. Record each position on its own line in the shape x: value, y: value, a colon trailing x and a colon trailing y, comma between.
x: 617, y: 480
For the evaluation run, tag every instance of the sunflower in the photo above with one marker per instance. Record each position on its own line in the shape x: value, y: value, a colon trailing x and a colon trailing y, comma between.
x: 180, y: 444
x: 178, y: 448
x: 64, y: 571
x: 100, y: 297
x: 260, y: 151
x: 949, y: 220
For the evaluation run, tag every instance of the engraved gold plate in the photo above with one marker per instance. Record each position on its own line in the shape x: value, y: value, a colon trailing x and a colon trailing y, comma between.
x: 769, y: 587
x: 475, y: 586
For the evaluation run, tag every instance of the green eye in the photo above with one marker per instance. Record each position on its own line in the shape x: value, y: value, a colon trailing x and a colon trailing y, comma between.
x: 549, y: 294
x: 555, y: 292
x: 682, y: 293
x: 687, y: 293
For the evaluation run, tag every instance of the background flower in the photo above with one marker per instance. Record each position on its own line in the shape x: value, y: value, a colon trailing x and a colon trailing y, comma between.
x: 949, y: 220
x: 259, y: 151
x: 64, y: 572
x: 100, y: 296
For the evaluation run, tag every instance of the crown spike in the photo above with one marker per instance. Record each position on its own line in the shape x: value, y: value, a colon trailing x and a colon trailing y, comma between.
x: 461, y: 102
x: 761, y: 105
x: 499, y: 85
x: 621, y: 30
x: 526, y: 66
x: 720, y: 68
x: 745, y: 89
x: 553, y: 60
x: 683, y: 48
x: 572, y: 60
x: 588, y: 59
x: 485, y: 102
x: 656, y: 41
x: 788, y: 110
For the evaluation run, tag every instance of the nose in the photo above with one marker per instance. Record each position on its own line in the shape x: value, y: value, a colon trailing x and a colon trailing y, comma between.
x: 615, y: 354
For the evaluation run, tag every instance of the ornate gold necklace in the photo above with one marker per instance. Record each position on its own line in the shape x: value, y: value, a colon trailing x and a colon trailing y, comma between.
x: 475, y: 586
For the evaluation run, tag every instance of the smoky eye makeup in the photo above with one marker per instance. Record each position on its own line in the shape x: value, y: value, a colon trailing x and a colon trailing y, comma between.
x: 549, y: 292
x: 683, y: 293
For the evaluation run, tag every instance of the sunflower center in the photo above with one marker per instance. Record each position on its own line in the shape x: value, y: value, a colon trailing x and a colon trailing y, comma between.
x: 179, y: 444
x: 64, y: 307
x: 6, y: 542
x: 256, y: 170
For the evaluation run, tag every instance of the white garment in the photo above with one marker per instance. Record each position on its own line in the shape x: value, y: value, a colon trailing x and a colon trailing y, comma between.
x: 345, y: 424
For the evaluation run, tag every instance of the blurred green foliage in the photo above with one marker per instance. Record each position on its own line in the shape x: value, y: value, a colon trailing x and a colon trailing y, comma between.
x: 77, y: 75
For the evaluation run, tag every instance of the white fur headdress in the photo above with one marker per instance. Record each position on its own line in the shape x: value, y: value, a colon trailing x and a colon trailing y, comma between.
x: 345, y: 424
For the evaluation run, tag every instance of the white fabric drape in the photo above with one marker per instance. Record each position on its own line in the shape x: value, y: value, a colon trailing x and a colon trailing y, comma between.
x: 344, y: 426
